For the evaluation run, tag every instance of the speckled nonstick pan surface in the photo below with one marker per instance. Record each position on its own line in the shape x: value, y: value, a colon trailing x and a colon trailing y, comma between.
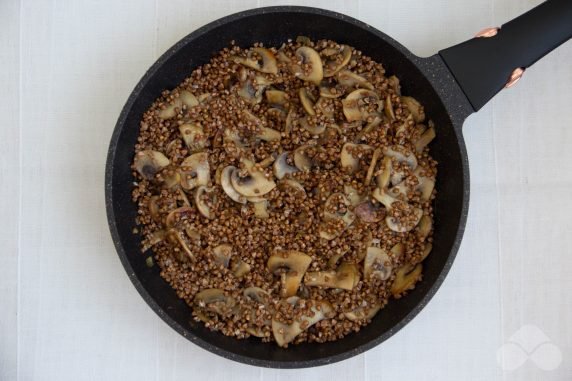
x: 428, y: 79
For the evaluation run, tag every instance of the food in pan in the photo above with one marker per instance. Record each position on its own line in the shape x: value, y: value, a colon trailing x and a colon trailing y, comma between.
x: 286, y: 193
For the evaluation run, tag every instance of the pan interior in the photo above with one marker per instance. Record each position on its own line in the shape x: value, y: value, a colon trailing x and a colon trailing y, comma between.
x: 273, y: 27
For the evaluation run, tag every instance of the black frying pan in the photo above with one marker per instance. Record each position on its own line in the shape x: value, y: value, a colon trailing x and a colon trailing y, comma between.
x: 451, y: 84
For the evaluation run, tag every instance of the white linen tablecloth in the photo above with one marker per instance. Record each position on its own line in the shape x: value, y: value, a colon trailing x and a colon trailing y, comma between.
x: 67, y: 308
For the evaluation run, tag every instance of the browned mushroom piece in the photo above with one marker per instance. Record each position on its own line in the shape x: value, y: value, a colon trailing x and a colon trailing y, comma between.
x: 276, y: 98
x: 222, y: 254
x: 281, y: 167
x: 409, y: 215
x: 405, y: 278
x: 215, y: 300
x: 388, y: 108
x: 261, y: 209
x: 426, y: 251
x: 193, y: 136
x: 383, y: 178
x: 259, y: 59
x: 302, y: 160
x: 361, y: 104
x: 372, y: 165
x: 350, y: 155
x: 178, y: 240
x: 331, y: 90
x: 377, y: 263
x: 205, y: 199
x: 363, y: 313
x: 226, y: 185
x: 345, y: 277
x: 284, y: 333
x: 291, y: 266
x: 239, y: 268
x: 370, y: 212
x: 308, y: 65
x: 423, y: 184
x: 148, y: 163
x: 425, y: 138
x: 424, y: 228
x: 314, y: 129
x: 415, y: 108
x: 185, y: 98
x: 250, y: 93
x: 178, y: 216
x: 336, y: 60
x: 351, y: 80
x: 195, y: 171
x: 292, y: 187
x: 154, y: 209
x: 255, y: 183
x: 307, y: 101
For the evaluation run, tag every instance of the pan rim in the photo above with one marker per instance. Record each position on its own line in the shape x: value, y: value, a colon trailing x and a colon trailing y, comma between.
x: 112, y: 218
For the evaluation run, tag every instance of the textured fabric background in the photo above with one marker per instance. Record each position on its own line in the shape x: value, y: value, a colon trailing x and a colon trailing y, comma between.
x: 69, y: 312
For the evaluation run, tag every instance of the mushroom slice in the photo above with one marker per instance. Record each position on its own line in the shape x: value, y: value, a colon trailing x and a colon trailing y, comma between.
x: 202, y: 205
x: 354, y: 197
x: 289, y: 121
x: 424, y: 228
x: 284, y: 334
x: 363, y: 313
x: 291, y: 265
x: 337, y: 62
x: 195, y: 171
x: 425, y: 139
x: 370, y: 212
x: 405, y: 278
x: 313, y: 129
x: 424, y: 185
x: 171, y: 110
x: 377, y: 263
x: 426, y: 251
x: 222, y: 254
x: 281, y: 167
x: 194, y: 136
x: 360, y: 104
x: 293, y: 186
x: 330, y: 90
x: 153, y: 207
x: 175, y: 217
x: 326, y: 107
x: 254, y: 184
x: 368, y: 128
x: 308, y: 66
x: 307, y: 101
x: 171, y: 178
x: 401, y: 155
x: 336, y: 206
x: 372, y: 165
x: 411, y: 214
x: 415, y: 108
x: 351, y: 80
x: 256, y: 294
x: 261, y: 209
x: 240, y: 268
x: 388, y: 108
x: 268, y: 134
x: 148, y: 163
x: 276, y: 97
x: 350, y: 155
x: 382, y: 179
x: 345, y: 277
x: 215, y: 300
x: 249, y: 93
x: 233, y: 136
x: 225, y: 182
x: 259, y: 59
x: 188, y: 99
x: 301, y: 159
x: 334, y: 227
x: 176, y: 238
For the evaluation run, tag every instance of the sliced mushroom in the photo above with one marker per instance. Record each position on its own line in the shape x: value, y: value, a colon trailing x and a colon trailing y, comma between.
x: 268, y: 134
x: 371, y: 169
x: 261, y: 209
x: 401, y: 155
x: 240, y: 268
x: 225, y: 182
x: 250, y: 93
x: 194, y: 136
x: 301, y: 159
x: 331, y: 90
x: 382, y: 179
x: 307, y: 101
x: 425, y: 139
x: 222, y: 254
x: 291, y: 265
x: 333, y: 228
x: 171, y: 178
x: 284, y: 334
x: 255, y: 183
x: 148, y: 163
x: 289, y: 121
x: 360, y: 104
x: 388, y: 108
x: 276, y: 97
x: 363, y: 313
x: 153, y: 207
x: 256, y: 294
x: 351, y: 80
x: 325, y: 107
x: 315, y: 129
x: 415, y: 108
x: 336, y: 206
x: 411, y: 215
x: 343, y: 278
x: 171, y: 110
x: 368, y: 128
x: 350, y: 155
x: 203, y: 206
x: 405, y: 278
x: 282, y: 168
x: 215, y: 300
x: 336, y: 62
x: 334, y: 259
x: 377, y: 263
x: 259, y: 59
x: 424, y: 185
x: 369, y: 212
x: 353, y: 195
x: 292, y: 186
x: 195, y: 171
x: 233, y: 136
x: 308, y: 66
x: 424, y: 228
x: 426, y: 251
x: 176, y: 238
x: 178, y: 216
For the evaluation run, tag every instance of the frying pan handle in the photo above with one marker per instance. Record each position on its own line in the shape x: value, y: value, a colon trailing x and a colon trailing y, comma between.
x: 496, y: 58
